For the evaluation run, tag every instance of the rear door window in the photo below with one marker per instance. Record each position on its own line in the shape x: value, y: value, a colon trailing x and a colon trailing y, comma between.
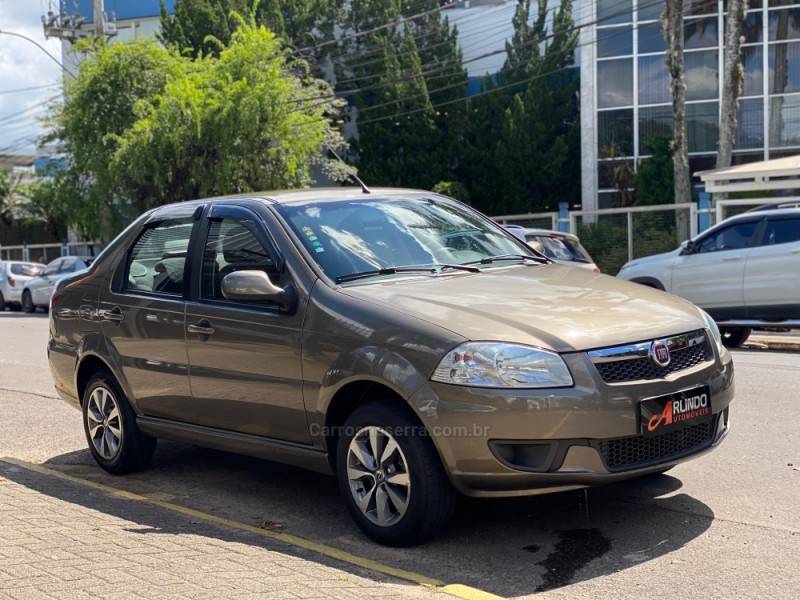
x: 733, y: 237
x: 26, y: 270
x: 781, y: 231
x: 156, y: 263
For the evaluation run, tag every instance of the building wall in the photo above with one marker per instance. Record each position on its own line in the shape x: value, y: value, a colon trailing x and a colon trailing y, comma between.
x: 627, y: 86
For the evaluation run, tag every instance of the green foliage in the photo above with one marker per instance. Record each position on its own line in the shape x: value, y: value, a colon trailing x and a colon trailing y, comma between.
x: 143, y: 125
x: 396, y: 75
x: 529, y: 160
x: 654, y: 178
x: 454, y: 189
x: 607, y: 242
x: 46, y: 202
x: 205, y: 27
x: 6, y: 215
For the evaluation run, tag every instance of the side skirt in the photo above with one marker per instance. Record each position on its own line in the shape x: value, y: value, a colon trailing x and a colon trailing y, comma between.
x: 240, y: 443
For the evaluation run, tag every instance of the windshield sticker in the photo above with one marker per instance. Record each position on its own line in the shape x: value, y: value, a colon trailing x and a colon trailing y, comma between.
x: 312, y: 237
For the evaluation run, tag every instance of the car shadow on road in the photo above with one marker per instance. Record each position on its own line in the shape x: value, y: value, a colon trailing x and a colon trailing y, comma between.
x: 509, y: 547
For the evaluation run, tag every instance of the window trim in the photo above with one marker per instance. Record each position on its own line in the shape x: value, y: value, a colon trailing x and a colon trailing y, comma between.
x: 122, y: 283
x: 751, y: 243
x: 773, y: 218
x: 264, y: 235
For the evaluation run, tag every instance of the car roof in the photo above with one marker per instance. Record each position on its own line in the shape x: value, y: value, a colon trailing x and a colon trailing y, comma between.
x: 755, y: 215
x: 549, y: 233
x: 282, y: 197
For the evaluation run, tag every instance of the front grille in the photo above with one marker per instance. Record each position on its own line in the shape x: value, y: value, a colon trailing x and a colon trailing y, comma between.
x: 637, y: 369
x: 637, y: 451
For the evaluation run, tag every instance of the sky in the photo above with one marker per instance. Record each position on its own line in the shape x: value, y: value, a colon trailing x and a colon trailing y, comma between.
x: 23, y: 65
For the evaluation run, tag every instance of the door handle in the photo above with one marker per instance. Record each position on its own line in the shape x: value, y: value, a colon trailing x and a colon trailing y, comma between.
x: 202, y: 328
x: 732, y: 259
x: 114, y: 314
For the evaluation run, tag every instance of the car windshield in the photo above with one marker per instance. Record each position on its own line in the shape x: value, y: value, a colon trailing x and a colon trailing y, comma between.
x: 354, y: 236
x: 26, y: 270
x: 561, y: 248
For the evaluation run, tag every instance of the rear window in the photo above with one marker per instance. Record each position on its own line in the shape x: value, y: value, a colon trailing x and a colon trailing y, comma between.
x: 559, y: 248
x: 26, y: 270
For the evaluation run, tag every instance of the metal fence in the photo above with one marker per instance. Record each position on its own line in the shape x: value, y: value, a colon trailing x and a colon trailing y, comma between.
x: 613, y: 236
x: 44, y: 253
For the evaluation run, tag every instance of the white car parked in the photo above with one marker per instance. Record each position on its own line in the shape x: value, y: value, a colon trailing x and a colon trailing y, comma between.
x: 744, y: 271
x: 14, y: 275
x: 38, y: 290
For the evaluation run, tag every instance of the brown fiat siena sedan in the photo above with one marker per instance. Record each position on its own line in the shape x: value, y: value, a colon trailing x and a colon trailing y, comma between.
x: 398, y: 339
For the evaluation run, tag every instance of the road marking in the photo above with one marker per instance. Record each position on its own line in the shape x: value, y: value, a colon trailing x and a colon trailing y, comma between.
x: 453, y: 589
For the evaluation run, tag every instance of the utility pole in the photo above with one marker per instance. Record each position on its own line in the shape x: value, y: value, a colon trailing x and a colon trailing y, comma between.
x: 99, y: 18
x: 69, y: 27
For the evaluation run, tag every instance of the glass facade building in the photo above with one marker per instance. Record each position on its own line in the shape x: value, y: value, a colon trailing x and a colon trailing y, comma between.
x: 625, y: 86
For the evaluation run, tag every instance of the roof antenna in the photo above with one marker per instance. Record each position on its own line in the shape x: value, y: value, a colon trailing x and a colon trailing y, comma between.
x: 364, y: 188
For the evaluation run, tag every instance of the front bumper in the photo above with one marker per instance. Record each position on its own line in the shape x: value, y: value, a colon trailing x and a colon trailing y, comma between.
x: 523, y: 442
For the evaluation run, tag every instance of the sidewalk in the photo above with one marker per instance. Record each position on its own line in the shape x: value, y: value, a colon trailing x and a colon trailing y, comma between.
x: 765, y: 340
x: 61, y: 540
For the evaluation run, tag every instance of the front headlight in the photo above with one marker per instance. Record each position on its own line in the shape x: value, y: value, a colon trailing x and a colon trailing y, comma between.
x: 714, y: 329
x: 500, y: 365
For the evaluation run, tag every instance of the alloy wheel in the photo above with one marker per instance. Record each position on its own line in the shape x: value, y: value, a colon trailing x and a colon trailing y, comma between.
x: 104, y: 423
x: 378, y: 474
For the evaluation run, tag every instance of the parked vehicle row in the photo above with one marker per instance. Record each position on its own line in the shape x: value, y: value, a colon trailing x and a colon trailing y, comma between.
x: 29, y: 285
x: 743, y: 271
x: 397, y: 339
x: 13, y: 277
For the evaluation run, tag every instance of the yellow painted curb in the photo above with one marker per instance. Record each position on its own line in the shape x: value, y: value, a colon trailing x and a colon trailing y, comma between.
x: 453, y: 589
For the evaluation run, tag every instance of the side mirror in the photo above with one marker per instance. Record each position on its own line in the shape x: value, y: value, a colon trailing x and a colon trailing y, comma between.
x: 254, y: 285
x: 688, y: 247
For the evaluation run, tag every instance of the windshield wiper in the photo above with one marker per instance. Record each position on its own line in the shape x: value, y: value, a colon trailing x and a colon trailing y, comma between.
x: 465, y: 267
x: 499, y: 257
x: 386, y: 271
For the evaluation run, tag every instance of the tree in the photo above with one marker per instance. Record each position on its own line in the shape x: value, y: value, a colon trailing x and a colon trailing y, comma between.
x: 6, y: 202
x: 46, y: 203
x: 402, y: 139
x: 535, y: 148
x: 672, y: 27
x: 205, y: 26
x: 654, y: 179
x: 732, y: 80
x: 143, y: 126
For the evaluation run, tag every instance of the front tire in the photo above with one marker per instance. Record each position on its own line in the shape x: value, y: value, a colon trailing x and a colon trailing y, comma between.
x: 27, y: 302
x: 110, y: 426
x: 391, y: 477
x: 735, y: 337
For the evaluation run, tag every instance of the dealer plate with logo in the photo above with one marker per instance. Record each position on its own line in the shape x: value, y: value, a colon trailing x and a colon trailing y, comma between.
x: 663, y: 414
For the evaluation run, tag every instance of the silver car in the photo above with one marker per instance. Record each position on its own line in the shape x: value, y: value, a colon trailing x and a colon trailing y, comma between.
x: 37, y: 291
x: 13, y: 277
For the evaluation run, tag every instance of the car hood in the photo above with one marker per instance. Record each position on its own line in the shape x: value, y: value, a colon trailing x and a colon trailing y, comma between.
x: 551, y: 306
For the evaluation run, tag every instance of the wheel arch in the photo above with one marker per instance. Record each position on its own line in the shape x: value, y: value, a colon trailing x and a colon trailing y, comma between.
x: 351, y: 396
x: 649, y: 282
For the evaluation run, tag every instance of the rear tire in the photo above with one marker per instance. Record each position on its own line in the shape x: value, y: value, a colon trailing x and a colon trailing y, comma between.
x: 734, y: 337
x: 110, y: 426
x: 411, y: 512
x: 27, y: 302
x: 2, y: 302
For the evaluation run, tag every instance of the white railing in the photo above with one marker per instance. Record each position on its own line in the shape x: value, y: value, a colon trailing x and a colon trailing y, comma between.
x: 48, y: 252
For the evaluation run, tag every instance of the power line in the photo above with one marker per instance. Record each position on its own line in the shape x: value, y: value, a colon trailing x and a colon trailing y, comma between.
x: 42, y: 48
x: 29, y: 89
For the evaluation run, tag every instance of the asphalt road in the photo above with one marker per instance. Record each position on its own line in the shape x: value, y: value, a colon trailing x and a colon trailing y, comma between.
x: 725, y: 525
